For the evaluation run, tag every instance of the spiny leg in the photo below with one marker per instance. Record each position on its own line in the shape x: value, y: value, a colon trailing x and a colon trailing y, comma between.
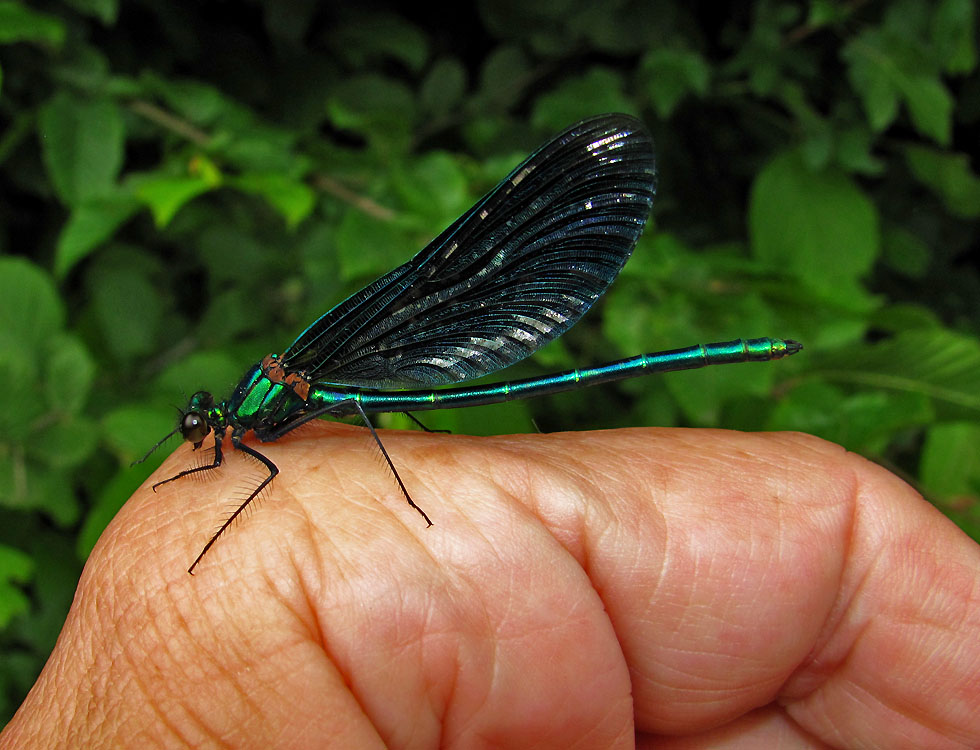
x: 273, y: 470
x: 271, y: 435
x: 187, y: 472
x: 391, y: 465
x: 424, y: 428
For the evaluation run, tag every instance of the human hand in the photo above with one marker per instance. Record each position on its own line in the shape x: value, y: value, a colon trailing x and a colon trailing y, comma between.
x: 668, y: 588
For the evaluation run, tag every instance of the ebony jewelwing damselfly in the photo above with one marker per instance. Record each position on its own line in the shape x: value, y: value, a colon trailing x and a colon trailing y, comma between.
x: 514, y: 272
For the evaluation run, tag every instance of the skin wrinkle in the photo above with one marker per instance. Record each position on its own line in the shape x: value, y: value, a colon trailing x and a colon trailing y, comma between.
x: 441, y: 711
x: 447, y: 711
x: 497, y: 639
x: 233, y: 678
x: 904, y: 702
x: 229, y: 679
x: 761, y: 682
x: 277, y: 651
x: 515, y: 503
x: 312, y: 622
x: 608, y: 606
x: 341, y: 566
x: 450, y: 701
x: 107, y: 615
x: 835, y: 614
x: 149, y: 692
x: 579, y: 556
x: 555, y: 478
x: 851, y: 592
x: 127, y: 652
x: 345, y: 676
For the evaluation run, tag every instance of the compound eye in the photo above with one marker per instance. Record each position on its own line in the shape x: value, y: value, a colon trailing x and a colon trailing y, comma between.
x: 194, y: 427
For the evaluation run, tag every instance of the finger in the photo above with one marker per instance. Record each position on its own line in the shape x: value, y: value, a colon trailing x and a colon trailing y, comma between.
x: 743, y: 569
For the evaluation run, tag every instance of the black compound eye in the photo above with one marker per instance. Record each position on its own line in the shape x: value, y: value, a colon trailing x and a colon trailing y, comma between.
x: 194, y: 427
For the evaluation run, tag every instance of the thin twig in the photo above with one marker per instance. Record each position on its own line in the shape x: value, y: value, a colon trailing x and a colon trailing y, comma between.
x: 170, y: 121
x: 332, y: 187
x: 201, y: 138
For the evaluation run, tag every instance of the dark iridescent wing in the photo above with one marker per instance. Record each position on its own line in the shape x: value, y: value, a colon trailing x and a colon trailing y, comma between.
x: 511, y: 274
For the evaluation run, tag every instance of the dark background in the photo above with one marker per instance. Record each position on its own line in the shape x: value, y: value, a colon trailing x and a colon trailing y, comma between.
x: 185, y: 186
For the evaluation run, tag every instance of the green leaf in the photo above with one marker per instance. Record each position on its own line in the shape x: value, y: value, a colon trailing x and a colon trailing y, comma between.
x: 381, y: 108
x: 671, y: 74
x: 952, y: 32
x: 873, y: 77
x: 930, y: 106
x: 949, y: 176
x: 82, y: 141
x: 443, y: 87
x: 19, y: 24
x: 368, y: 247
x: 91, y: 223
x: 818, y: 136
x: 234, y: 256
x: 701, y: 394
x: 30, y: 309
x: 127, y: 308
x: 294, y: 200
x: 865, y: 421
x: 39, y: 488
x: 128, y: 429
x: 577, y: 97
x: 213, y: 371
x: 825, y: 13
x: 165, y: 195
x: 15, y: 567
x: 854, y: 147
x: 950, y: 464
x: 193, y: 100
x: 869, y: 421
x: 883, y: 71
x: 503, y: 76
x: 262, y: 148
x: 819, y: 226
x: 905, y: 252
x: 898, y: 318
x: 63, y: 444
x: 434, y: 187
x: 23, y: 404
x: 372, y: 36
x: 69, y: 373
x: 941, y: 365
x: 105, y: 10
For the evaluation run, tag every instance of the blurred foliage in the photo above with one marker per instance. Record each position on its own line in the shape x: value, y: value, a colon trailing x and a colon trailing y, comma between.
x: 187, y: 185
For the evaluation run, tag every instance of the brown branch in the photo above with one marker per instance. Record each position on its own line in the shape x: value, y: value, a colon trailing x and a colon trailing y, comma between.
x: 170, y: 121
x: 195, y: 135
x: 332, y: 187
x: 804, y: 30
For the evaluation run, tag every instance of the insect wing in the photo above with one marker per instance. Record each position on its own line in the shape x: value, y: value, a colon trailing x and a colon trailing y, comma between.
x: 514, y: 272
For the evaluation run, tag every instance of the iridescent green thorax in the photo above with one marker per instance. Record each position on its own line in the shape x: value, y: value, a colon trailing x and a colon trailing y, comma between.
x: 266, y: 395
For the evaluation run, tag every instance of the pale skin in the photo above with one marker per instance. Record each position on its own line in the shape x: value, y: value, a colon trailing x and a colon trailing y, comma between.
x: 649, y: 587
